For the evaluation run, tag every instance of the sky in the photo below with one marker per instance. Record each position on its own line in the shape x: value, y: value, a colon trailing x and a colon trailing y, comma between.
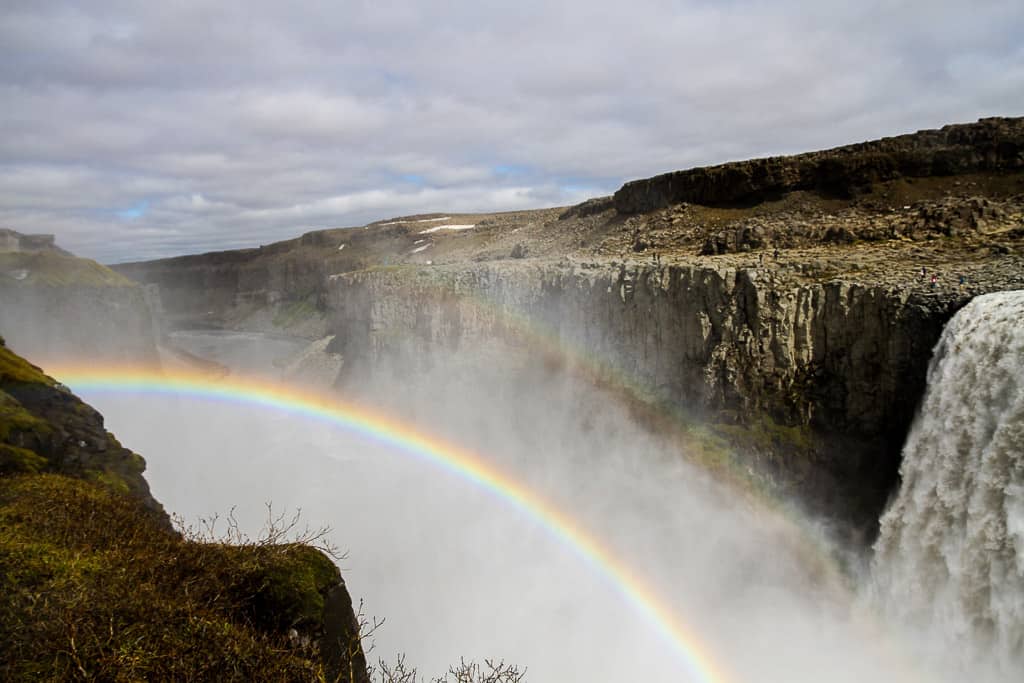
x: 142, y: 130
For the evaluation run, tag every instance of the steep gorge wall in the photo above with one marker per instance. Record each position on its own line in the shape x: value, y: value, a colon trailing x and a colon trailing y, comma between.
x: 845, y: 360
x: 194, y: 288
x: 838, y: 355
x: 221, y: 289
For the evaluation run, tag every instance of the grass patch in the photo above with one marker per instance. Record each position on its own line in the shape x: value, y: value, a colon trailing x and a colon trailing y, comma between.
x: 765, y: 435
x: 14, y: 368
x: 14, y: 418
x: 96, y: 586
x: 15, y: 459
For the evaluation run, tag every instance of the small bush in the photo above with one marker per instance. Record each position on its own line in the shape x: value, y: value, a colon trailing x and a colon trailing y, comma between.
x: 490, y: 671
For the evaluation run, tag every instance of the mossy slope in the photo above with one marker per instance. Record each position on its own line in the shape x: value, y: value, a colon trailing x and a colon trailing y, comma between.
x: 44, y: 427
x: 97, y: 585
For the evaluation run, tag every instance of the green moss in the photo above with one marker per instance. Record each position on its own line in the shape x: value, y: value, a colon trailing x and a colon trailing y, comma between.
x: 767, y: 436
x: 15, y: 459
x: 14, y: 418
x: 110, y: 479
x: 18, y: 427
x: 711, y: 450
x: 135, y: 463
x: 56, y: 270
x: 94, y: 582
x: 285, y: 585
x: 14, y: 368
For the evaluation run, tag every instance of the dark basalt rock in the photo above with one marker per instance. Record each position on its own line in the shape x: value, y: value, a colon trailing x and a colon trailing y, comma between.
x: 992, y: 144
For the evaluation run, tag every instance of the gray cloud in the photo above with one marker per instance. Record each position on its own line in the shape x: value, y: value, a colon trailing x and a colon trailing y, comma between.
x: 135, y: 133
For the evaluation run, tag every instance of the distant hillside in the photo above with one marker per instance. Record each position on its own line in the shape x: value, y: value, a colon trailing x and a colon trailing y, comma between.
x: 56, y: 305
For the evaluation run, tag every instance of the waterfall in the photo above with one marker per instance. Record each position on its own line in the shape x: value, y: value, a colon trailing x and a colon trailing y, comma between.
x: 949, y: 562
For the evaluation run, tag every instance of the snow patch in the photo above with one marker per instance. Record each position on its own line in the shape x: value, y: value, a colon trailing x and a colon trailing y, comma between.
x: 451, y: 226
x: 341, y: 247
x: 418, y: 220
x: 419, y: 249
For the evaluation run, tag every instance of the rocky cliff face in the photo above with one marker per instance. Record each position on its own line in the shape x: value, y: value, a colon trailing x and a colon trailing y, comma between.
x: 843, y: 359
x: 836, y: 354
x: 46, y: 428
x: 995, y: 144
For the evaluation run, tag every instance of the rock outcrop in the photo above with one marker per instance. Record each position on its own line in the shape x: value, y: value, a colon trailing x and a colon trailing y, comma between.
x: 994, y: 144
x: 13, y: 242
x: 46, y: 428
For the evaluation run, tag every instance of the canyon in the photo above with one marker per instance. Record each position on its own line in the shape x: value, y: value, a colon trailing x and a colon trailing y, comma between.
x: 770, y: 321
x: 790, y: 303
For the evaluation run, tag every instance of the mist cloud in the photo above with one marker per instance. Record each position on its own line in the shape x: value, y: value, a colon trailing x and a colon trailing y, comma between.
x: 458, y: 571
x: 241, y: 123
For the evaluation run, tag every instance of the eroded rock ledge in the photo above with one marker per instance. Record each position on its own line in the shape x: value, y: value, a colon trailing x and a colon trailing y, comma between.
x: 992, y: 144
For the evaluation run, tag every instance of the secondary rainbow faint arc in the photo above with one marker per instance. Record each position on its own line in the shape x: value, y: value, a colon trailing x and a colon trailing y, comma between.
x: 459, y: 461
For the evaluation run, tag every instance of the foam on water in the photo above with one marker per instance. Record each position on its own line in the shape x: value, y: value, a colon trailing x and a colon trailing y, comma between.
x: 950, y: 558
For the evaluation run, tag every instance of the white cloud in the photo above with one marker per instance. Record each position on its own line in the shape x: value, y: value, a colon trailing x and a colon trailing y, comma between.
x: 280, y: 119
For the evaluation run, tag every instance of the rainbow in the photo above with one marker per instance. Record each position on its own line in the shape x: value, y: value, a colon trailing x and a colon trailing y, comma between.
x: 695, y: 655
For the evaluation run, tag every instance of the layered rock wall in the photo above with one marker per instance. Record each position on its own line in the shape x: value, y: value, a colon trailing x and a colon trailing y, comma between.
x: 837, y: 355
x: 994, y: 144
x: 843, y: 362
x: 224, y: 289
x: 193, y: 286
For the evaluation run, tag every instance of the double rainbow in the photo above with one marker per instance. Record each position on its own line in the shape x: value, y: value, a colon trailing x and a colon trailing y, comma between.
x: 695, y: 655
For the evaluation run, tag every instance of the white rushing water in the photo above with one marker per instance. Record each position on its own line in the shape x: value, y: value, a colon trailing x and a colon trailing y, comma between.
x: 949, y: 561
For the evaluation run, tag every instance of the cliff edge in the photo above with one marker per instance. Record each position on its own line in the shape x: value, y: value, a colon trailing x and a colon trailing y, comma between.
x: 97, y: 584
x: 993, y: 144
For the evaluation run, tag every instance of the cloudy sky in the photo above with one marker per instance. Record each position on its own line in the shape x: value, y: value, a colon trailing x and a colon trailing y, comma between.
x: 138, y: 130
